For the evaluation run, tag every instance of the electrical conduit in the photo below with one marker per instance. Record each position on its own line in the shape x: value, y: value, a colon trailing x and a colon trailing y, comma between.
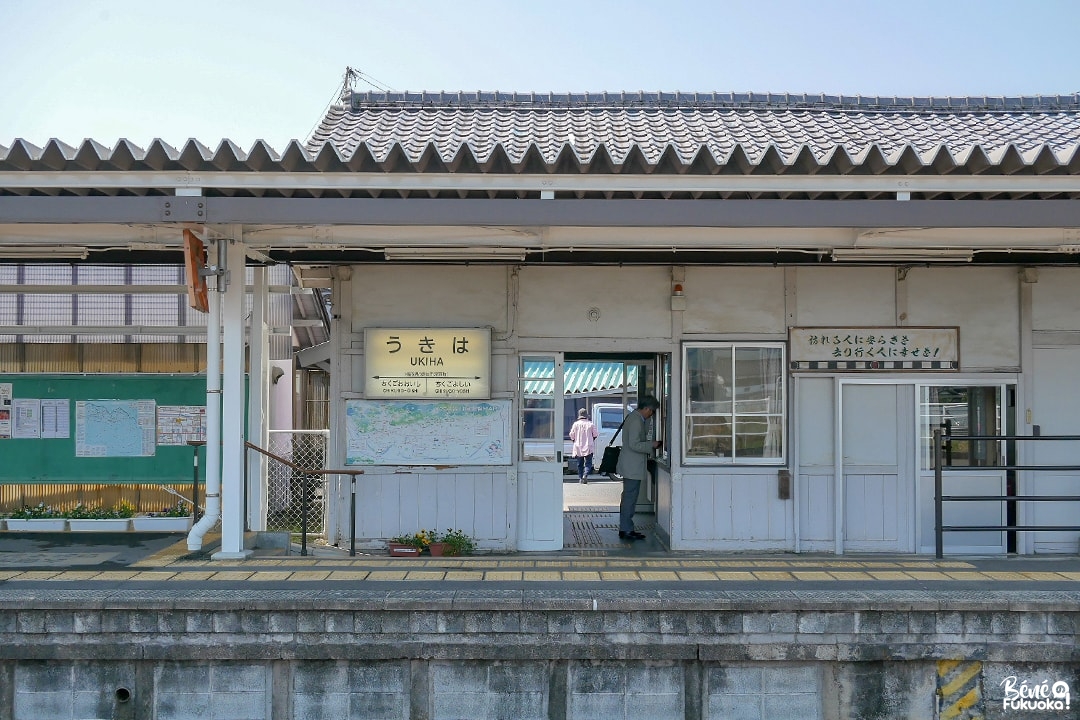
x: 213, y: 420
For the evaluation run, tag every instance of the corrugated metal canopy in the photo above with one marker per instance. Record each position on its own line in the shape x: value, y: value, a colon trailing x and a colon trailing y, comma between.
x: 579, y: 378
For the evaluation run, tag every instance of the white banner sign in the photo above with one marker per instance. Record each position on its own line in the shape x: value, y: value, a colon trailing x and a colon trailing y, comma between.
x: 875, y: 348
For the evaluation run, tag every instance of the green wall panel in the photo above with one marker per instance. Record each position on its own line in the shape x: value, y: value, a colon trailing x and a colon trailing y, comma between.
x: 53, y: 460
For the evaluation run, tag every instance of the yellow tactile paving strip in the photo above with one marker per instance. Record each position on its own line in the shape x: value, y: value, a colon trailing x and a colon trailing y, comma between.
x: 697, y: 574
x: 174, y: 564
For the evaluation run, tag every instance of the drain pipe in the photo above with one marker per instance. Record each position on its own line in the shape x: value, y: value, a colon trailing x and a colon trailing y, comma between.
x: 213, y: 412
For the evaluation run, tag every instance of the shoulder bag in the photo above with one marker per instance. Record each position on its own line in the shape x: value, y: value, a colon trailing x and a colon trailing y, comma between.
x: 611, y: 453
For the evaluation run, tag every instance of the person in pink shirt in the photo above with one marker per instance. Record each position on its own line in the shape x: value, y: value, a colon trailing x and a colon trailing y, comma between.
x: 583, y: 433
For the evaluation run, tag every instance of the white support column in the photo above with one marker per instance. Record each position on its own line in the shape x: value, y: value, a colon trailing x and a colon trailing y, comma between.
x: 232, y: 415
x: 258, y: 399
x: 342, y: 365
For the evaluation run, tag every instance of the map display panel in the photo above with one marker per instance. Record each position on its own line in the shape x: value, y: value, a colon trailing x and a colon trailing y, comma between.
x: 177, y: 424
x: 427, y: 432
x: 115, y: 428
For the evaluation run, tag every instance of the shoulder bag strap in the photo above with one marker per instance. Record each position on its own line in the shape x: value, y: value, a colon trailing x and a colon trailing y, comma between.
x: 612, y: 440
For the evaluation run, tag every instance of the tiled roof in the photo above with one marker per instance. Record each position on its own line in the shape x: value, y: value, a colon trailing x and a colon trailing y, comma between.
x: 456, y: 138
x: 743, y: 132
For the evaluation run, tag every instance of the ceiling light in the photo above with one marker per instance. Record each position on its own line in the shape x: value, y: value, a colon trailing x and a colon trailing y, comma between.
x: 42, y: 252
x: 456, y: 253
x: 903, y: 254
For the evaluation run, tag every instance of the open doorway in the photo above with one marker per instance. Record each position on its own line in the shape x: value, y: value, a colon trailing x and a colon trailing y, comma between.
x: 605, y: 388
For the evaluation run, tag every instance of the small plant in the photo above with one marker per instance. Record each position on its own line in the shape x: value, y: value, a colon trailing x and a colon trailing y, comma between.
x: 420, y: 540
x: 411, y: 540
x: 457, y: 542
x: 180, y: 509
x: 121, y: 510
x: 37, y: 512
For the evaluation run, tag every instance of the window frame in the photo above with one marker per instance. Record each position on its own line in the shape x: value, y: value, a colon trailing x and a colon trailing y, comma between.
x: 732, y: 347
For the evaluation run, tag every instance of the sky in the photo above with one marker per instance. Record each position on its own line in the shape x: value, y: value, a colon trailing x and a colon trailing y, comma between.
x: 246, y: 70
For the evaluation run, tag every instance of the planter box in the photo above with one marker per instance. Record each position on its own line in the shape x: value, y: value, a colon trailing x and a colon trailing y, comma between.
x: 442, y: 550
x: 398, y: 550
x: 37, y: 525
x: 160, y: 524
x: 106, y: 525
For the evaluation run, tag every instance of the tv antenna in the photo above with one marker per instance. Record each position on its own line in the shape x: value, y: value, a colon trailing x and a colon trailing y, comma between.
x: 350, y: 78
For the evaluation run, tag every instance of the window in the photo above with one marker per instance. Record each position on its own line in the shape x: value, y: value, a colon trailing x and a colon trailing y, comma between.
x: 734, y: 403
x: 964, y: 410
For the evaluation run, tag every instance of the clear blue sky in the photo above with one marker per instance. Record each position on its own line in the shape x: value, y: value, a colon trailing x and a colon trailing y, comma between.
x: 249, y: 69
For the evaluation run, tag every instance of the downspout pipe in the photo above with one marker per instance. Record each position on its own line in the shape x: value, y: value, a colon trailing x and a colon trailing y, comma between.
x: 213, y: 416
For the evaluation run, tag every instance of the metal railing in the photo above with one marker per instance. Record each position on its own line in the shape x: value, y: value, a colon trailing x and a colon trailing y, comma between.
x: 306, y: 477
x: 944, y: 449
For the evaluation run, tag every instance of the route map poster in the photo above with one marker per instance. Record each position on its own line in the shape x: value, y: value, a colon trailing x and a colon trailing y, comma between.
x: 176, y: 424
x: 427, y: 432
x: 115, y: 428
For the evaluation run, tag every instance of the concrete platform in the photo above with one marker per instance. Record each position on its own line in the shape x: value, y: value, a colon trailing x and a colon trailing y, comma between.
x: 136, y: 627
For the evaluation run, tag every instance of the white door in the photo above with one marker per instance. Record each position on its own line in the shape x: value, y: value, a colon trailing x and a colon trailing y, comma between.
x: 876, y: 471
x: 540, y: 450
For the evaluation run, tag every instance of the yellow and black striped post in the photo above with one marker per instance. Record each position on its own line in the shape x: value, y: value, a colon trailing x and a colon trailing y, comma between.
x: 959, y: 688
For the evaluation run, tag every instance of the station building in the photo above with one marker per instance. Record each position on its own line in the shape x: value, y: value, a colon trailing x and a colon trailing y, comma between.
x: 810, y: 285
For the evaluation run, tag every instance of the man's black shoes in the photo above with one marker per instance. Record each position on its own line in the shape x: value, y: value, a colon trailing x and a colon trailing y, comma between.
x: 632, y: 535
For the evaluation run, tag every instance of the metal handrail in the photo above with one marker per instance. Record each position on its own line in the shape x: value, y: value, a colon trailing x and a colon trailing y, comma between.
x: 940, y: 497
x: 304, y: 473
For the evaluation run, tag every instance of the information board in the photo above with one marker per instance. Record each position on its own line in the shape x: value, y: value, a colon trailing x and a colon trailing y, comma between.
x: 427, y: 432
x: 111, y: 441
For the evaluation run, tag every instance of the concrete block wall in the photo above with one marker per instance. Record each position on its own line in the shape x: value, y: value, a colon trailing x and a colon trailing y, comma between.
x: 519, y: 655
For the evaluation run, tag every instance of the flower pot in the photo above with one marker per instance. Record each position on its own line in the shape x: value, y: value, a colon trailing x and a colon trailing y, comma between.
x: 438, y: 549
x: 145, y: 523
x: 102, y: 525
x: 400, y: 550
x: 36, y: 525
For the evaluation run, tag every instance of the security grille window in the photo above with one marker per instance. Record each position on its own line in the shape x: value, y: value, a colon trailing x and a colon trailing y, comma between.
x: 734, y: 403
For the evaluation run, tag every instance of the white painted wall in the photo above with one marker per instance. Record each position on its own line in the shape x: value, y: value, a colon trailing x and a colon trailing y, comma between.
x: 1056, y: 299
x: 984, y: 302
x: 633, y: 303
x: 845, y: 296
x: 748, y: 301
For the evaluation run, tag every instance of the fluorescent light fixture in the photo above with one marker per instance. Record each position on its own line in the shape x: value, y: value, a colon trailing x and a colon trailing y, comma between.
x: 903, y: 254
x: 42, y: 252
x: 455, y: 253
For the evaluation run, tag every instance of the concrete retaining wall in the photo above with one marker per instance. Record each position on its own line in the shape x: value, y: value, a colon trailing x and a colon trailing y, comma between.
x: 448, y: 655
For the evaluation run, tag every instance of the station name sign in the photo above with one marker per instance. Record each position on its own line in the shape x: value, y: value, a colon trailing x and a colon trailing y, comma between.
x: 874, y: 348
x: 428, y: 363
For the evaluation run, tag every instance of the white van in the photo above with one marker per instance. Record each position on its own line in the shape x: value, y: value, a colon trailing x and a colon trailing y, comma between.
x: 607, y: 417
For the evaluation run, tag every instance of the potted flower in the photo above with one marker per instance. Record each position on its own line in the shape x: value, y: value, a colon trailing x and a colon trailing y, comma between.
x: 405, y: 546
x: 176, y: 518
x: 100, y: 519
x: 39, y: 518
x: 456, y: 542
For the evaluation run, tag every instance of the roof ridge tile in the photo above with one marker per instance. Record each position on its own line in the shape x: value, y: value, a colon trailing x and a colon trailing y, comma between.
x: 768, y: 100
